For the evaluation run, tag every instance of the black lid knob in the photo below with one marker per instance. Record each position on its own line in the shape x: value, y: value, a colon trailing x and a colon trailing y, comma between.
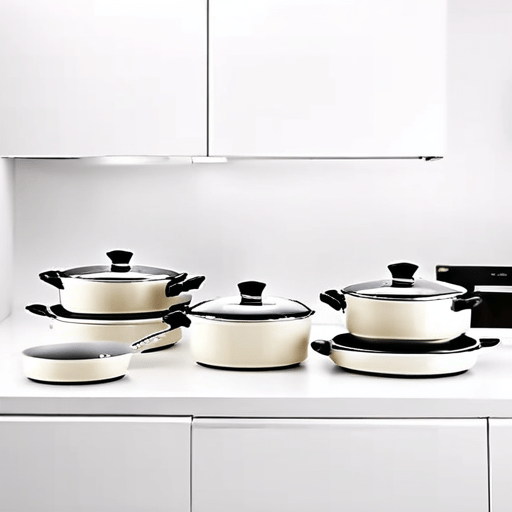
x: 403, y: 273
x: 251, y: 293
x: 120, y: 260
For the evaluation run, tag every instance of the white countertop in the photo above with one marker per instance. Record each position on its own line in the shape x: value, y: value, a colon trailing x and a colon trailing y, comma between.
x: 169, y: 382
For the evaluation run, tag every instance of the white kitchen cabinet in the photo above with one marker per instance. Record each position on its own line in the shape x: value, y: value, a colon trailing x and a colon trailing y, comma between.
x: 332, y: 465
x: 327, y: 78
x: 500, y: 460
x: 100, y: 464
x: 102, y: 77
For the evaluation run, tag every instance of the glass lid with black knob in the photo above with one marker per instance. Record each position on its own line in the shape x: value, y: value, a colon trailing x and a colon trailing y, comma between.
x: 119, y: 270
x: 251, y: 306
x: 402, y: 285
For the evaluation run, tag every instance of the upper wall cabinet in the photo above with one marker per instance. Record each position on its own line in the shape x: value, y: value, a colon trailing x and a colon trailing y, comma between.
x: 102, y: 77
x: 327, y: 78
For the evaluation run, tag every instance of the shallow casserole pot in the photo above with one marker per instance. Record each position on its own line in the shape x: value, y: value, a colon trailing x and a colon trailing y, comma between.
x: 125, y: 328
x: 119, y: 287
x: 404, y: 308
x: 250, y: 331
x: 445, y: 358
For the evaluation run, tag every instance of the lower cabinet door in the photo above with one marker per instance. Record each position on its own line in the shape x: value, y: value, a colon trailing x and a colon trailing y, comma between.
x: 260, y: 465
x: 500, y: 457
x: 92, y: 464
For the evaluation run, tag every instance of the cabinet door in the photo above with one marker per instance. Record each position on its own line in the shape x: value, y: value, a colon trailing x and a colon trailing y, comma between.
x: 332, y: 78
x: 500, y: 456
x: 102, y: 77
x: 59, y: 464
x: 333, y: 465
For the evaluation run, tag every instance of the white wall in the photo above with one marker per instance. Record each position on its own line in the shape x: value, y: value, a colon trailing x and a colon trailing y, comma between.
x: 6, y: 235
x: 301, y: 226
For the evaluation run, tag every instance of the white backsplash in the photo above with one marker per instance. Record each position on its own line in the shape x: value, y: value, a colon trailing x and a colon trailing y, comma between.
x: 6, y: 235
x: 301, y: 226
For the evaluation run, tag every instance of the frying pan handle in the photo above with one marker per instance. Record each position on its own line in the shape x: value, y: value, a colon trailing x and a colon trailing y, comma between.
x: 120, y: 260
x: 52, y: 277
x: 174, y: 320
x: 462, y: 303
x: 322, y: 347
x: 335, y: 299
x: 173, y: 289
x: 41, y: 310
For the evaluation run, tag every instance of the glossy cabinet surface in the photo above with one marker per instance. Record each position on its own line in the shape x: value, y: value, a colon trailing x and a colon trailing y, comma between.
x: 327, y: 78
x: 500, y: 459
x: 331, y: 465
x: 100, y: 464
x: 102, y: 77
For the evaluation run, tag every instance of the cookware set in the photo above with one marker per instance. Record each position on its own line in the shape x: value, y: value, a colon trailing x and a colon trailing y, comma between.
x: 399, y: 326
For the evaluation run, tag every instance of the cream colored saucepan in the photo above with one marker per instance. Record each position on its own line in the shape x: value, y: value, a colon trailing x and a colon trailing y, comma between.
x: 90, y: 362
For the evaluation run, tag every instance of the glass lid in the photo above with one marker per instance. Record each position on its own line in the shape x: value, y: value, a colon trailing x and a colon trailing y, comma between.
x: 119, y: 270
x: 402, y: 285
x: 250, y: 306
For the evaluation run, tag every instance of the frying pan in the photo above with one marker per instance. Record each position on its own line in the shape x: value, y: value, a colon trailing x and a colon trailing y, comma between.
x: 89, y: 362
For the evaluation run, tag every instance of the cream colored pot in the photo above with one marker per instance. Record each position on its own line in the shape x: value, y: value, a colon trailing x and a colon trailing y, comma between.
x: 400, y: 359
x: 126, y: 328
x: 119, y: 287
x: 69, y: 363
x: 250, y: 331
x: 402, y: 308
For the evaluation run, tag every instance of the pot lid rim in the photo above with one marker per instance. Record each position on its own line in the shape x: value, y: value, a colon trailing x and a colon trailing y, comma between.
x: 145, y: 274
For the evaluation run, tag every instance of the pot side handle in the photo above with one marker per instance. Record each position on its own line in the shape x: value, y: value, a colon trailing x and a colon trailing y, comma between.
x: 489, y: 342
x: 40, y: 309
x: 335, y: 299
x: 462, y: 303
x: 322, y: 347
x: 52, y: 277
x: 173, y: 289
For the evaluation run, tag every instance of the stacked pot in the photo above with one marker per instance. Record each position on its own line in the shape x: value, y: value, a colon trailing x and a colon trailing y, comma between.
x: 117, y: 301
x: 403, y: 326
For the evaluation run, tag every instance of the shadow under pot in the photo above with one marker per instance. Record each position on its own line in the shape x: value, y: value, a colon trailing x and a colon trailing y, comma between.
x: 250, y: 331
x: 404, y: 308
x: 125, y: 328
x: 119, y: 287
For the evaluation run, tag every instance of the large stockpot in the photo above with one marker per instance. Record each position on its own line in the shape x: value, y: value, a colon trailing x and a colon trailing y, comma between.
x: 125, y: 328
x: 119, y: 287
x: 404, y: 308
x: 249, y: 331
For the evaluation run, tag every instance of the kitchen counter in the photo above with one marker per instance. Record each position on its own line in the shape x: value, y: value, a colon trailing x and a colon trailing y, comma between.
x: 169, y: 382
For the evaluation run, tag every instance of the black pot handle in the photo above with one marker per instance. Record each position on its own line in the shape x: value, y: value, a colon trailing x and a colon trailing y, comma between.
x: 335, y: 299
x: 403, y: 274
x: 173, y: 320
x: 322, y: 347
x: 41, y: 310
x: 173, y: 289
x: 250, y: 292
x: 489, y: 342
x: 52, y: 277
x: 120, y: 260
x: 462, y: 303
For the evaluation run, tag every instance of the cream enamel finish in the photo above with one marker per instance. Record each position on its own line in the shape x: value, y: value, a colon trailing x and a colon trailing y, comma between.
x: 405, y: 320
x: 85, y: 370
x: 404, y: 364
x: 123, y: 332
x: 265, y: 344
x: 95, y: 297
